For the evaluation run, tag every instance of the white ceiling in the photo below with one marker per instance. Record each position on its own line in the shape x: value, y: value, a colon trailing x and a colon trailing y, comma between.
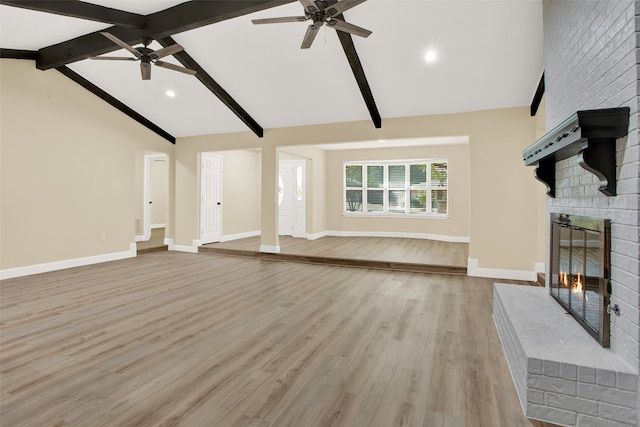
x: 490, y: 56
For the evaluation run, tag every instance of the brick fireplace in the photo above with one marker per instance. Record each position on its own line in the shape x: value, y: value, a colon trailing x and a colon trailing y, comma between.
x: 561, y: 373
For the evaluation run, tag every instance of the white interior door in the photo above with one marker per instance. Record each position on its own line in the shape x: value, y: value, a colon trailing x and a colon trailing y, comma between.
x: 286, y: 196
x: 211, y: 198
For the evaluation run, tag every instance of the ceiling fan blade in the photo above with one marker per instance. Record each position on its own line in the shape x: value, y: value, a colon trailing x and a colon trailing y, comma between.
x: 309, y: 6
x: 113, y: 58
x: 175, y: 67
x: 121, y: 44
x: 339, y: 7
x: 145, y: 70
x: 279, y: 20
x: 310, y: 35
x: 348, y: 28
x: 165, y: 51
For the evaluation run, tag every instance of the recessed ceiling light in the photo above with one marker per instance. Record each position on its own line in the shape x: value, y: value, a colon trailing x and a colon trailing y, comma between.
x: 430, y: 56
x: 170, y: 94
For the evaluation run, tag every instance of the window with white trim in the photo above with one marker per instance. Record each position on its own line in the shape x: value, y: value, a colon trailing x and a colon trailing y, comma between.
x: 408, y: 187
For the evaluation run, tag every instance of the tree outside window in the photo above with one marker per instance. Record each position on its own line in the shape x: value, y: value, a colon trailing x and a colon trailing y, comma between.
x: 353, y: 179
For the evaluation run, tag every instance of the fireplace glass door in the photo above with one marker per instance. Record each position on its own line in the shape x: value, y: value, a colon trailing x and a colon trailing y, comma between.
x: 579, y: 271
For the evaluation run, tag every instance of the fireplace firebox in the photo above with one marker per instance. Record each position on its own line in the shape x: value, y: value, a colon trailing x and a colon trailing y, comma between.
x: 580, y: 264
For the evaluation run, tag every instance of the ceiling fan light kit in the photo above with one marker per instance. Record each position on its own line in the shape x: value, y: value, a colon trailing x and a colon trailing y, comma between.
x: 321, y: 14
x: 146, y: 56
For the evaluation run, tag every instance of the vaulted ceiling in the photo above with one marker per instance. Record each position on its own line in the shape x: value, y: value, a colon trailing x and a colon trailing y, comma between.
x: 254, y: 77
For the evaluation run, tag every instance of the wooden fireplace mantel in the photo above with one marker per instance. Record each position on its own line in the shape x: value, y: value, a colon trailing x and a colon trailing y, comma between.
x: 589, y: 134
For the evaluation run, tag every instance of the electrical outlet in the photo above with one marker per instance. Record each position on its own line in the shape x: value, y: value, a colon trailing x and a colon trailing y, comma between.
x: 103, y: 236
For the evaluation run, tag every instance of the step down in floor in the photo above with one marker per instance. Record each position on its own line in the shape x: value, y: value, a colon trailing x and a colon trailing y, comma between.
x: 152, y: 249
x: 343, y: 262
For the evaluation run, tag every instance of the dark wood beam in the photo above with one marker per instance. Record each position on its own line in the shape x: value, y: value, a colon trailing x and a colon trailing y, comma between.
x: 83, y: 10
x: 358, y: 72
x: 116, y: 103
x: 83, y: 47
x: 537, y: 98
x: 185, y: 59
x: 18, y: 54
x: 183, y: 17
x: 361, y: 79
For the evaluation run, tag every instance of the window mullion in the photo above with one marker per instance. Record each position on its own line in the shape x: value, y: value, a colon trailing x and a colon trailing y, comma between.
x: 385, y: 188
x: 407, y: 191
x: 364, y: 188
x: 429, y: 189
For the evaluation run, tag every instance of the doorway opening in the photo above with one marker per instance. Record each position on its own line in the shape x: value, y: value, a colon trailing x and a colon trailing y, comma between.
x: 151, y: 233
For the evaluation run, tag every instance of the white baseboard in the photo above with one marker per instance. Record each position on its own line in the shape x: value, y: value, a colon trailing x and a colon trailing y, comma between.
x: 270, y: 249
x: 439, y: 237
x: 317, y: 235
x: 184, y: 248
x: 158, y: 226
x: 169, y: 243
x: 540, y: 267
x: 237, y: 236
x: 496, y: 273
x: 11, y: 273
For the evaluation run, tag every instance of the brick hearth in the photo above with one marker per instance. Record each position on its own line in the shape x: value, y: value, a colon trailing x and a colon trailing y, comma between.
x: 561, y: 373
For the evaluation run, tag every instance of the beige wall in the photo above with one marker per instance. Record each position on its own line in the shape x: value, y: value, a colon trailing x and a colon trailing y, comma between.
x: 269, y: 236
x: 503, y: 194
x: 68, y: 162
x: 503, y: 191
x: 55, y: 190
x: 455, y: 225
x: 240, y: 191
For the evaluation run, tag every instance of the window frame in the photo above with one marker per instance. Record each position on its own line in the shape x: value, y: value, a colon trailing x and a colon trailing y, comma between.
x: 428, y: 186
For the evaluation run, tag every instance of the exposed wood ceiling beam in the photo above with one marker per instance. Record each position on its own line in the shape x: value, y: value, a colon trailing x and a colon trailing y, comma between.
x: 537, y: 98
x: 183, y: 17
x: 185, y: 59
x: 83, y: 10
x: 18, y: 54
x: 116, y: 103
x: 358, y: 72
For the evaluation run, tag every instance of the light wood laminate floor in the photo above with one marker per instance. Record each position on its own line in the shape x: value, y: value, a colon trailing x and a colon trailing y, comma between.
x: 205, y: 340
x: 391, y: 249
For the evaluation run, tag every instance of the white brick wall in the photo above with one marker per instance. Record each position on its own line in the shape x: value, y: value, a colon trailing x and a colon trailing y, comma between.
x: 561, y: 374
x: 591, y: 51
